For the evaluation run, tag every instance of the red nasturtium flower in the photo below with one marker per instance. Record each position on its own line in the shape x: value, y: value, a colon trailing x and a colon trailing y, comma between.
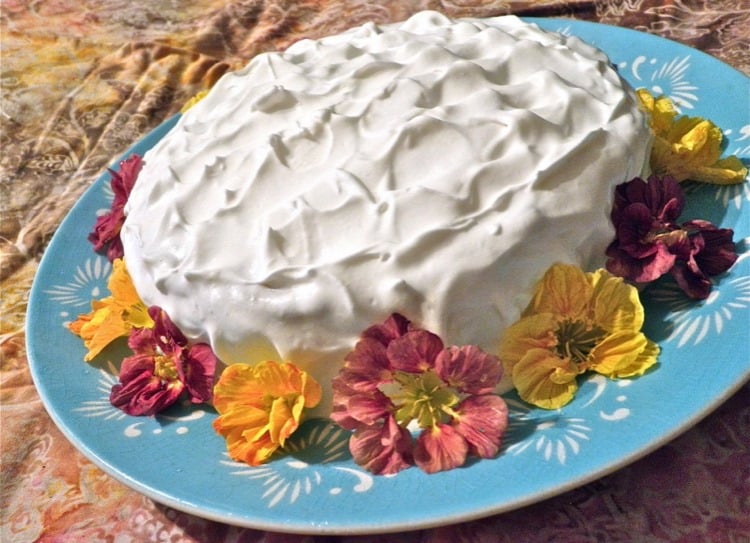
x: 106, y: 233
x: 399, y: 376
x: 650, y: 242
x: 164, y: 366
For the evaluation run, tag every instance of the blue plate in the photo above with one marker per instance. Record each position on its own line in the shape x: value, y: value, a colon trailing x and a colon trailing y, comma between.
x: 178, y: 460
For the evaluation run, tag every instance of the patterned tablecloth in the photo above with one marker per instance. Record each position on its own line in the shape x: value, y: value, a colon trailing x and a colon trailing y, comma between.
x: 84, y: 79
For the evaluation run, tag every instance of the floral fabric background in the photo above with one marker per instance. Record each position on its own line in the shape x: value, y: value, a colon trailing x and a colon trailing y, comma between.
x: 82, y: 80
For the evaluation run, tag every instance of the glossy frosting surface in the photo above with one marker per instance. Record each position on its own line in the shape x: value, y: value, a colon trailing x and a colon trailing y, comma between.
x: 434, y: 167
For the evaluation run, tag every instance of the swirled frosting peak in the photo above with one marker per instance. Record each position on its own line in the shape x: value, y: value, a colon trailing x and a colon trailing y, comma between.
x: 433, y: 167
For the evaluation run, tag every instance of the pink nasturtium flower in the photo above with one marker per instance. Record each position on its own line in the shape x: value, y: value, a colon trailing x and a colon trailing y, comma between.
x: 399, y: 377
x: 163, y: 367
x: 650, y: 242
x: 106, y: 233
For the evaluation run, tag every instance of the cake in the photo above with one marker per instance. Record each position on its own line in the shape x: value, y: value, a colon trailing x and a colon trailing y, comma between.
x: 435, y: 168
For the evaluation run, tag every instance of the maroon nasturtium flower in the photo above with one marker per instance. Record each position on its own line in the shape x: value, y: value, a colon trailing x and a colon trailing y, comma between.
x: 706, y: 251
x: 106, y: 233
x: 649, y: 242
x: 399, y: 376
x: 163, y: 367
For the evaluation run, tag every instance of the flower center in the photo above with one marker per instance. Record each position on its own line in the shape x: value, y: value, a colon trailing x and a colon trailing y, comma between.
x: 576, y: 339
x: 668, y: 236
x: 165, y: 368
x: 423, y: 397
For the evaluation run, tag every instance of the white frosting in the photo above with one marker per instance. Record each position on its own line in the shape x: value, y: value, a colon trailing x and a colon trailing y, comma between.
x: 435, y: 168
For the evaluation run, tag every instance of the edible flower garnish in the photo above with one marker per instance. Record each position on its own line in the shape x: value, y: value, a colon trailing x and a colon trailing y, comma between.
x: 576, y: 322
x: 650, y: 243
x: 106, y: 233
x: 399, y: 376
x: 164, y: 365
x: 114, y: 316
x: 688, y: 147
x: 194, y: 100
x: 260, y: 406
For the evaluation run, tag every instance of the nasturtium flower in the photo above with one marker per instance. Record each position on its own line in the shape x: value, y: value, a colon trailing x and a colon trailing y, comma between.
x: 400, y: 377
x: 576, y: 322
x: 194, y: 100
x: 688, y: 147
x: 114, y: 316
x: 163, y: 366
x: 106, y: 233
x: 649, y: 242
x: 705, y: 251
x: 260, y: 406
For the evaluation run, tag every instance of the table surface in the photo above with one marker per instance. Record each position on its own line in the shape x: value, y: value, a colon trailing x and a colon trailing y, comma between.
x: 82, y: 80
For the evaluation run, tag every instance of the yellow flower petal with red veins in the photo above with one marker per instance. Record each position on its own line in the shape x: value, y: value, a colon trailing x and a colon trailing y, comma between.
x: 616, y: 352
x: 592, y: 322
x: 647, y: 358
x: 534, y: 332
x: 260, y: 406
x: 726, y: 171
x: 114, y: 316
x: 545, y: 380
x: 616, y: 304
x: 688, y: 147
x: 563, y: 291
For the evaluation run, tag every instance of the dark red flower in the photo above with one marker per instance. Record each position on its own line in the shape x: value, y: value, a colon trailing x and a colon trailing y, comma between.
x: 662, y: 197
x: 649, y: 242
x: 106, y: 233
x: 705, y: 252
x: 164, y: 365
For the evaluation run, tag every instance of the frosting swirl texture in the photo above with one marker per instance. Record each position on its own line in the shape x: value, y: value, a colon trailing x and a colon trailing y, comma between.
x: 433, y: 167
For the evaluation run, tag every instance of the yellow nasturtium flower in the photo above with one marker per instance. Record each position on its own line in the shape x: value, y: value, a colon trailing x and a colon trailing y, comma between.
x: 114, y: 316
x: 260, y: 406
x: 576, y: 322
x: 688, y: 147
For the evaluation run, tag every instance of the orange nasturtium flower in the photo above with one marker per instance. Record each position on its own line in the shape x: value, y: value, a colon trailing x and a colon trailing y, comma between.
x: 114, y: 316
x: 260, y: 406
x: 688, y: 147
x: 576, y: 322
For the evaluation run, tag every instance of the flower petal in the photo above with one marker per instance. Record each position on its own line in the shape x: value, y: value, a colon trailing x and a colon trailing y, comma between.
x: 392, y: 328
x: 196, y: 370
x: 482, y: 421
x: 384, y: 449
x: 616, y: 304
x: 353, y: 408
x: 107, y: 228
x: 688, y: 147
x: 718, y: 252
x: 140, y: 392
x: 367, y: 365
x: 534, y: 332
x: 469, y: 369
x: 440, y: 448
x: 114, y: 316
x: 623, y: 354
x: 260, y: 406
x: 415, y: 351
x: 545, y: 380
x: 563, y: 291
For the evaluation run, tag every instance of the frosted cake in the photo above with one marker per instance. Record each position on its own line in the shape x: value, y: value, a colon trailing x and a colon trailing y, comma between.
x: 434, y: 168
